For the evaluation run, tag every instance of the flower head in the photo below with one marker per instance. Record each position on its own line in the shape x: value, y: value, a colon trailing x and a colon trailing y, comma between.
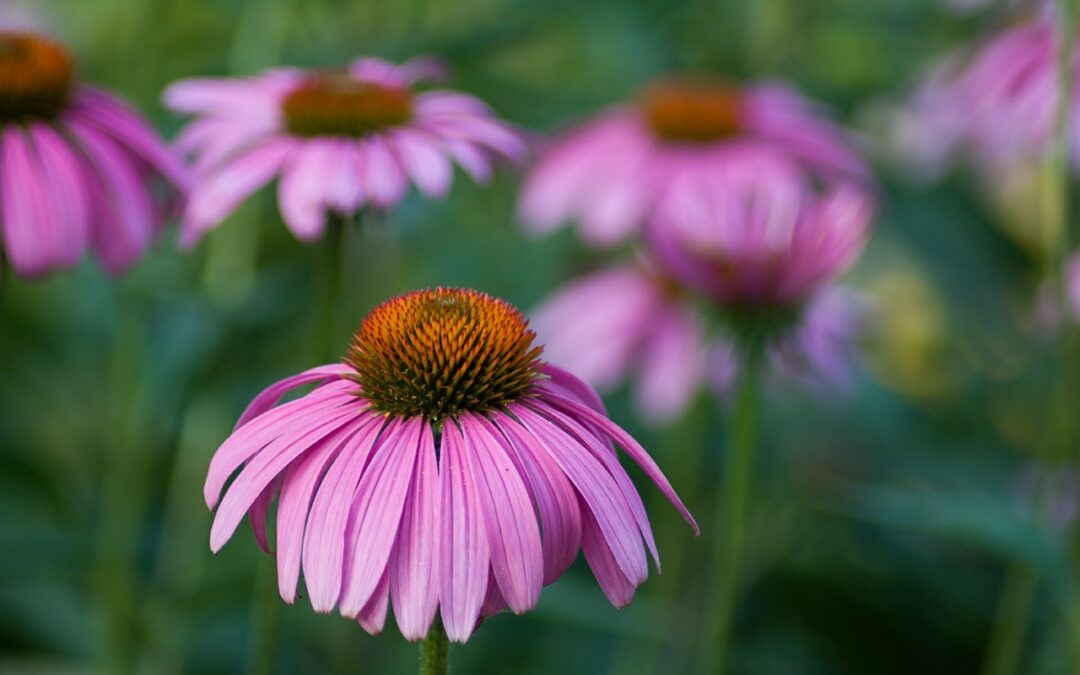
x: 614, y: 172
x: 766, y: 243
x: 443, y: 467
x: 78, y: 168
x: 339, y: 140
x: 994, y: 105
x: 656, y: 332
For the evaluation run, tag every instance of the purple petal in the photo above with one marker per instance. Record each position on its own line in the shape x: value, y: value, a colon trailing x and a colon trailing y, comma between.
x: 269, y: 397
x: 618, y: 589
x: 423, y: 161
x: 372, y: 617
x: 517, y: 558
x: 464, y: 553
x: 414, y: 579
x: 556, y: 502
x: 30, y: 236
x: 600, y: 491
x: 383, y: 178
x: 294, y: 504
x: 632, y: 448
x: 324, y: 540
x: 379, y: 502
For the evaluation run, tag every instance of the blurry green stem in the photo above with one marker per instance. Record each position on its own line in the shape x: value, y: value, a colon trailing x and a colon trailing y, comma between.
x: 265, y: 613
x: 435, y: 652
x: 730, y: 518
x: 1011, y: 620
x: 331, y: 261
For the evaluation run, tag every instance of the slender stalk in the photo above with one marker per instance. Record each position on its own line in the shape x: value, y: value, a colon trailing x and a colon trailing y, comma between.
x: 435, y: 652
x: 331, y: 263
x: 1011, y: 621
x: 730, y: 518
x: 265, y: 618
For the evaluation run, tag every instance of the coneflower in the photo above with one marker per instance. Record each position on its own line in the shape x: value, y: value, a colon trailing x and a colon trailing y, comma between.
x: 443, y: 468
x: 79, y: 169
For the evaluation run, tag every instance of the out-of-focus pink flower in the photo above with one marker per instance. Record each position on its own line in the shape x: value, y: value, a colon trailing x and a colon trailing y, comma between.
x: 994, y: 105
x: 613, y: 173
x: 1072, y: 283
x: 79, y: 169
x: 655, y: 331
x: 339, y: 140
x: 622, y: 320
x: 766, y: 241
x: 443, y: 467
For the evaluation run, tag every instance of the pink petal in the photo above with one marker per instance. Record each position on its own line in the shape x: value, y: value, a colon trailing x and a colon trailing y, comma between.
x: 464, y: 553
x: 30, y: 235
x: 294, y: 504
x: 266, y: 465
x: 301, y: 190
x: 597, y: 487
x: 65, y: 182
x: 379, y: 502
x: 672, y: 364
x: 517, y: 558
x: 218, y: 194
x: 630, y: 447
x: 269, y: 397
x: 414, y: 578
x: 423, y: 161
x: 556, y: 502
x: 325, y: 540
x: 618, y: 589
x: 383, y: 178
x: 372, y: 617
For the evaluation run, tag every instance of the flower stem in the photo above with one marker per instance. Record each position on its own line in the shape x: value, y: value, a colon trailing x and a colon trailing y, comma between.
x: 1011, y: 621
x: 731, y: 513
x: 265, y: 617
x: 330, y: 264
x: 435, y: 652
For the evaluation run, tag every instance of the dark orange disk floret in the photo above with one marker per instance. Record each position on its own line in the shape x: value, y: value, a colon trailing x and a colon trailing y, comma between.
x: 692, y: 110
x: 36, y: 77
x: 441, y: 351
x: 334, y: 104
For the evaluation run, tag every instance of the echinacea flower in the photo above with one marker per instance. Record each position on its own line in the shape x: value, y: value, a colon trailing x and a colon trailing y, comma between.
x: 442, y: 467
x: 339, y: 140
x: 993, y: 105
x: 768, y: 243
x: 657, y: 332
x: 611, y: 174
x: 79, y: 169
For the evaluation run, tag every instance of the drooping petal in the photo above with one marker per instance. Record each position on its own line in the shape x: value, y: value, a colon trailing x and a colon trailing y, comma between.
x: 266, y: 465
x: 252, y: 437
x: 556, y: 501
x: 29, y: 238
x: 414, y: 580
x: 294, y: 504
x: 372, y: 617
x: 65, y: 181
x: 618, y: 589
x: 269, y: 397
x: 325, y: 544
x: 426, y: 165
x: 513, y: 534
x: 632, y: 448
x: 464, y: 552
x: 598, y: 489
x: 379, y: 502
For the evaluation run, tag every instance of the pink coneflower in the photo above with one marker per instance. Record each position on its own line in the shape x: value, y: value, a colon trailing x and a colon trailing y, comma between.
x: 79, y: 169
x: 995, y: 104
x: 765, y: 244
x: 614, y: 172
x: 338, y: 139
x: 656, y: 331
x: 443, y: 466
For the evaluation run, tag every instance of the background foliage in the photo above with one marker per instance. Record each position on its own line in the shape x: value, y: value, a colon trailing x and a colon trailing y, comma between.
x: 888, y: 515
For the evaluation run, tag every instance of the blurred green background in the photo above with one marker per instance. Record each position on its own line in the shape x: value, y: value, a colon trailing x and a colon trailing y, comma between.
x: 888, y: 517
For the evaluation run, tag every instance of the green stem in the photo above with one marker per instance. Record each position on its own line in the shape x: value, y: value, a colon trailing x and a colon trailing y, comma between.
x: 330, y: 270
x: 730, y: 519
x: 435, y: 652
x: 1006, y: 646
x: 265, y: 615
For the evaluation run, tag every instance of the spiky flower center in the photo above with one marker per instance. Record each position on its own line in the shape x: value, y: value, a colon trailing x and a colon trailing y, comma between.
x: 335, y: 104
x: 692, y: 111
x: 442, y: 351
x: 36, y: 77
